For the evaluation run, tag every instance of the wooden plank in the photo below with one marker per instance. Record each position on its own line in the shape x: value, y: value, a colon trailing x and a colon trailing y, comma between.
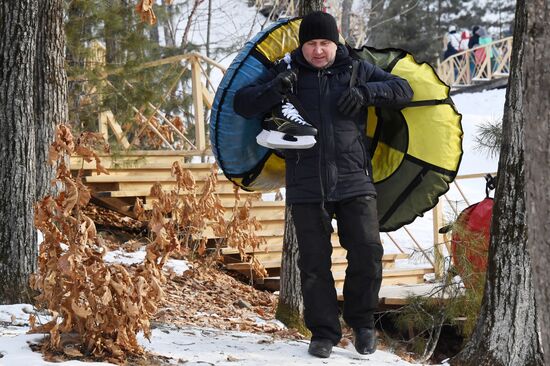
x: 221, y: 186
x: 140, y: 178
x: 114, y: 204
x: 272, y: 260
x: 145, y: 194
x: 198, y: 107
x: 207, y: 98
x: 257, y: 206
x: 267, y: 230
x: 268, y: 256
x: 394, y: 273
x: 103, y: 127
x: 117, y: 130
x: 390, y: 277
x: 438, y: 222
x: 143, y: 159
x: 160, y: 173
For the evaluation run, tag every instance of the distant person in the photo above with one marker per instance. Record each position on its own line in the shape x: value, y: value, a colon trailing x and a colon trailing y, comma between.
x: 474, y: 39
x: 464, y: 41
x: 453, y: 43
x: 483, y: 38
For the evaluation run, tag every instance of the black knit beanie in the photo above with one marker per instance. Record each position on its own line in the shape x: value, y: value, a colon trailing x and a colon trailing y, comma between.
x: 318, y: 25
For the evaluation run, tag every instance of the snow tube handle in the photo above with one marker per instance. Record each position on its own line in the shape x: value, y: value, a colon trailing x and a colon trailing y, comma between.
x: 490, y: 184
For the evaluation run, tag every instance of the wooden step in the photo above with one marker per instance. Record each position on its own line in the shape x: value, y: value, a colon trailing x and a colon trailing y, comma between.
x: 224, y: 186
x: 393, y: 276
x: 147, y: 172
x: 138, y: 159
x: 261, y: 210
x: 390, y: 277
x: 134, y: 178
x: 144, y: 194
x: 339, y: 262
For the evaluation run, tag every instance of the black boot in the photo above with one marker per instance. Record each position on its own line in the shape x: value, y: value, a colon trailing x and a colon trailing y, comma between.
x: 365, y: 340
x: 320, y: 347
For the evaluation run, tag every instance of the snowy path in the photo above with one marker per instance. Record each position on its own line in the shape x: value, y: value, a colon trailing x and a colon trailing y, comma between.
x: 190, y: 346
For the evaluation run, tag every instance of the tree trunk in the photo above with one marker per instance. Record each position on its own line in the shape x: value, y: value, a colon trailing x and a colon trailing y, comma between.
x: 168, y: 26
x: 537, y: 156
x: 506, y: 332
x: 18, y: 250
x: 290, y: 306
x: 306, y: 7
x: 50, y: 87
x: 346, y: 15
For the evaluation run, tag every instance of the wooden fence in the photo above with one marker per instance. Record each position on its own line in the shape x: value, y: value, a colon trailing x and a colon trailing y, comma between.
x: 149, y: 119
x: 479, y: 64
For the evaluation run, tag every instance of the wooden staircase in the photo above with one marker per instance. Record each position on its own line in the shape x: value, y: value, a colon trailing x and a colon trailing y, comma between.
x: 132, y: 176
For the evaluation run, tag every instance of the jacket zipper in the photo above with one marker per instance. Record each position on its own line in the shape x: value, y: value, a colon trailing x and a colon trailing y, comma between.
x: 364, y: 149
x: 324, y: 177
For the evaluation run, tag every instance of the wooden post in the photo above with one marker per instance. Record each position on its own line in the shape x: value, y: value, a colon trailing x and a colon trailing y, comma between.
x: 117, y: 129
x: 439, y: 256
x: 200, y: 132
x: 103, y: 128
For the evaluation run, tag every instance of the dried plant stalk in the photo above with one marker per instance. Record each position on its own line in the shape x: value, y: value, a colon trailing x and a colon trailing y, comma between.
x: 102, y: 304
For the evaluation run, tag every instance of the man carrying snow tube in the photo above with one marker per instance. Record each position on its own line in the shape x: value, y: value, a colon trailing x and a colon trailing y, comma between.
x: 331, y: 93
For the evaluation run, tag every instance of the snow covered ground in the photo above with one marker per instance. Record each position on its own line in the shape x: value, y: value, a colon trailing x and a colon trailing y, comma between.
x: 190, y: 346
x: 201, y: 346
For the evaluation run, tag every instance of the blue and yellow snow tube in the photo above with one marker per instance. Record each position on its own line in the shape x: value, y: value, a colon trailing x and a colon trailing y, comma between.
x: 416, y: 149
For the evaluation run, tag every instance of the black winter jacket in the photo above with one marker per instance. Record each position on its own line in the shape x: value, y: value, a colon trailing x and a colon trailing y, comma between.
x: 338, y: 165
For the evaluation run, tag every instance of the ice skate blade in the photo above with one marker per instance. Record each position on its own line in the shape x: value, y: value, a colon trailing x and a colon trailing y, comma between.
x: 276, y: 140
x: 261, y: 139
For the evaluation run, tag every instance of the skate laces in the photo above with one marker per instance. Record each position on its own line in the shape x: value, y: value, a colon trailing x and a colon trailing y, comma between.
x: 290, y: 112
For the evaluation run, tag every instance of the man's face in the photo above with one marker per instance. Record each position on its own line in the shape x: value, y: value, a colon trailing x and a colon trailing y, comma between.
x: 320, y: 53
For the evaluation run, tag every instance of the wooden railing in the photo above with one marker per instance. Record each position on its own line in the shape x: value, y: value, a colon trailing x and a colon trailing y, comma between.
x: 150, y: 119
x: 414, y: 239
x: 482, y: 63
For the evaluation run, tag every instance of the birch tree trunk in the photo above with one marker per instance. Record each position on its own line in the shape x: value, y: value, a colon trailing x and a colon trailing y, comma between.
x: 18, y: 251
x: 536, y: 100
x: 290, y: 306
x: 506, y: 333
x: 50, y: 87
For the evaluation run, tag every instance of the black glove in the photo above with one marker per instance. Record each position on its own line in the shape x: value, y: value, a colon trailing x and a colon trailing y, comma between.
x: 284, y: 82
x: 351, y: 101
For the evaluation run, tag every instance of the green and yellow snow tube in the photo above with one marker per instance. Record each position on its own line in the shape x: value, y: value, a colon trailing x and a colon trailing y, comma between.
x: 416, y: 150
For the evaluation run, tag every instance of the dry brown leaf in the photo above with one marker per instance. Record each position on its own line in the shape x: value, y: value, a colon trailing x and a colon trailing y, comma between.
x: 80, y: 311
x: 139, y: 210
x: 70, y: 198
x: 145, y: 9
x: 71, y: 351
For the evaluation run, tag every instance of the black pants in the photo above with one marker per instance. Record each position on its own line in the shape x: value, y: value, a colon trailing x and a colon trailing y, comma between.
x: 359, y: 234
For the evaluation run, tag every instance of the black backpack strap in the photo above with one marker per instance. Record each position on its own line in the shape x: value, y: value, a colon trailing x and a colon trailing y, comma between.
x: 354, y: 70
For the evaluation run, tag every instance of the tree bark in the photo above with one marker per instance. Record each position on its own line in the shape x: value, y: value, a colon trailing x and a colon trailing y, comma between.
x: 290, y: 306
x: 306, y: 7
x: 346, y: 15
x: 506, y: 333
x: 168, y: 26
x: 537, y: 156
x: 18, y: 250
x: 50, y: 87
